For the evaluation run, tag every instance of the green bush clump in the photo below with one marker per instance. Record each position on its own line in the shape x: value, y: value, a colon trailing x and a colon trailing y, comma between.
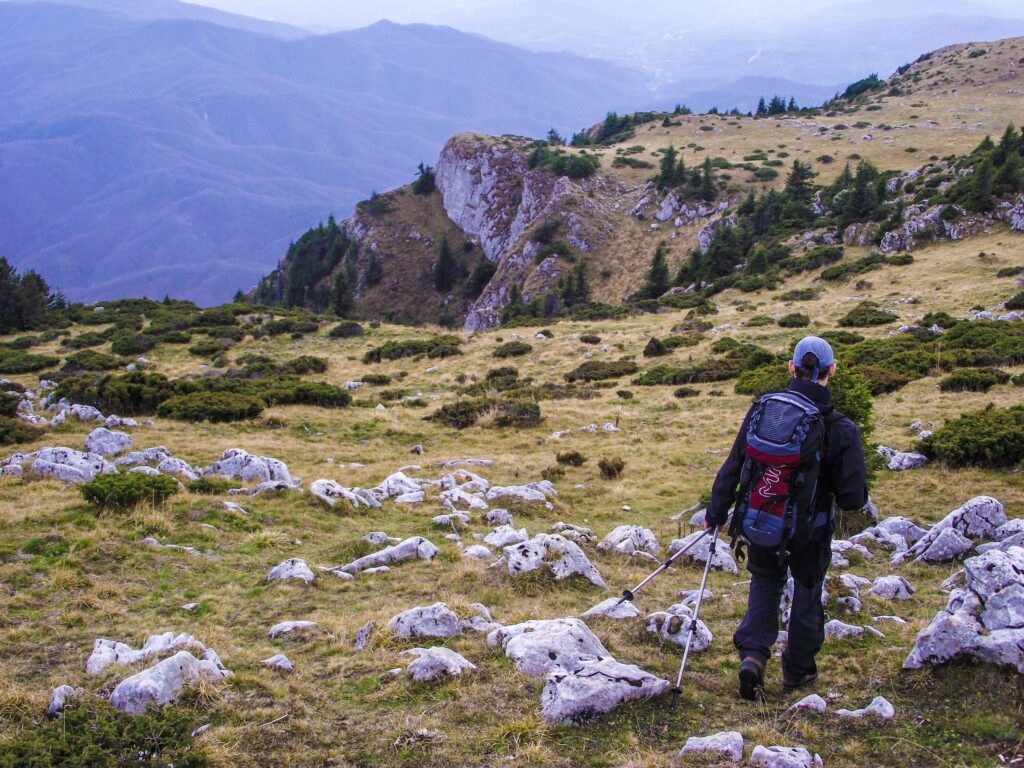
x: 552, y: 473
x: 655, y: 348
x: 759, y: 321
x: 16, y: 361
x: 211, y: 406
x: 702, y: 373
x: 993, y: 437
x: 517, y: 413
x: 611, y: 468
x: 590, y: 338
x: 133, y: 394
x: 512, y: 349
x: 685, y: 340
x: 800, y: 294
x: 131, y: 344
x: 175, y: 337
x: 346, y: 329
x: 376, y: 379
x: 102, y: 737
x: 90, y: 360
x: 973, y: 380
x: 881, y: 380
x: 865, y: 315
x: 1017, y: 302
x: 693, y: 301
x: 942, y: 319
x: 434, y: 347
x: 1010, y: 271
x: 305, y: 364
x: 507, y: 413
x: 214, y: 316
x: 1004, y: 340
x: 290, y: 325
x: 767, y: 378
x: 210, y: 347
x: 624, y: 394
x: 83, y: 340
x: 124, y: 490
x: 839, y: 338
x: 794, y: 320
x: 502, y: 372
x: 13, y: 430
x: 211, y: 486
x: 814, y: 259
x: 684, y: 392
x: 571, y: 458
x: 597, y: 370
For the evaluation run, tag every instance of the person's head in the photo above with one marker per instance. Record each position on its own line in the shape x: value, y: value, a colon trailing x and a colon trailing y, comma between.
x: 813, y: 360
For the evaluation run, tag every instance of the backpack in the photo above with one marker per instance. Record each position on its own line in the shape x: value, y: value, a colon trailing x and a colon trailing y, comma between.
x: 785, y: 447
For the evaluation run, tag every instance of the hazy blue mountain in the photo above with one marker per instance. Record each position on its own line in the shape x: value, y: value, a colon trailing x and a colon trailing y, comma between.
x: 178, y: 156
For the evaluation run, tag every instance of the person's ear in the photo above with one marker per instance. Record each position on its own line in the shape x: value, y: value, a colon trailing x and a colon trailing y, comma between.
x: 831, y: 371
x: 792, y: 368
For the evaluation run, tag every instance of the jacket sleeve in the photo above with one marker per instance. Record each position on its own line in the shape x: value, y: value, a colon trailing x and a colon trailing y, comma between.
x: 723, y: 492
x: 848, y: 471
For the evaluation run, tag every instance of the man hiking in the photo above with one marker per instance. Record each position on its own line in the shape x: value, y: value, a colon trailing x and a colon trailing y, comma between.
x: 794, y: 456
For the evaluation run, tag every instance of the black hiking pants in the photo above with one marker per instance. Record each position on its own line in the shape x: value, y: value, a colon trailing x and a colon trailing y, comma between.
x: 760, y: 627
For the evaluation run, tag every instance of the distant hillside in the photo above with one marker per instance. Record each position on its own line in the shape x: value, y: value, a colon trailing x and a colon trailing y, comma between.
x: 178, y: 156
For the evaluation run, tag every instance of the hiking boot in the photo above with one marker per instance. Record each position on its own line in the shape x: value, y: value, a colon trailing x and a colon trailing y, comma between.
x: 791, y: 683
x: 752, y: 679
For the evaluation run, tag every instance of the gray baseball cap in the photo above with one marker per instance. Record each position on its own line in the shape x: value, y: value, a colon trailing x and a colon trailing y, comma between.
x: 818, y: 347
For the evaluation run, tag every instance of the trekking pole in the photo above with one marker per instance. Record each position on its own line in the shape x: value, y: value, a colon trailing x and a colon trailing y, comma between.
x: 629, y: 594
x: 677, y: 691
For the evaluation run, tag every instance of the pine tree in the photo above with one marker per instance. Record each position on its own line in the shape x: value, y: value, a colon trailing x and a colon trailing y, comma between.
x: 708, y: 191
x: 668, y: 168
x: 444, y: 267
x: 341, y: 295
x: 762, y: 108
x: 1009, y: 179
x: 374, y: 271
x: 657, y: 280
x: 555, y: 138
x: 792, y: 107
x: 425, y: 182
x: 980, y: 197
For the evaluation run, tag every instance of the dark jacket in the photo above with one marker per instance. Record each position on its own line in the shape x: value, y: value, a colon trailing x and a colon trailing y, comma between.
x: 843, y: 476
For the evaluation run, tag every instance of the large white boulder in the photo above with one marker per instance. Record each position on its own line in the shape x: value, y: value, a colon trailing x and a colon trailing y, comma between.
x: 892, y: 588
x: 535, y: 646
x: 783, y: 757
x: 579, y: 689
x: 727, y: 745
x: 146, y: 456
x: 331, y: 492
x: 433, y: 663
x: 59, y: 698
x: 554, y: 553
x: 174, y: 466
x: 434, y: 621
x: 107, y: 443
x: 628, y: 539
x: 413, y: 547
x: 107, y: 652
x: 673, y: 626
x: 164, y: 682
x: 69, y: 465
x: 505, y: 535
x: 722, y: 561
x: 978, y: 518
x: 292, y: 568
x: 241, y: 465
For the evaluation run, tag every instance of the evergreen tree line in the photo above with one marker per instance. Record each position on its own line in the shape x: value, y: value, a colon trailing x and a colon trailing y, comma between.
x: 692, y: 184
x: 24, y: 299
x: 571, y: 294
x: 997, y: 171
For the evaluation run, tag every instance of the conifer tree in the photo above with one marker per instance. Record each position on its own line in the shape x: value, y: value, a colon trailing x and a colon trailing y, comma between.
x: 980, y: 197
x: 341, y: 295
x: 444, y: 267
x: 374, y: 271
x: 657, y: 280
x: 708, y: 191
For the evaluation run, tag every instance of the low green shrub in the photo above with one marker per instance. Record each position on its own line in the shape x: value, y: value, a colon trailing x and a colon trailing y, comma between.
x: 684, y: 392
x: 597, y: 370
x: 176, y: 337
x: 520, y: 414
x: 590, y: 338
x: 800, y: 294
x: 305, y: 364
x: 506, y: 413
x: 512, y: 349
x: 83, y: 340
x: 211, y: 406
x: 838, y: 338
x: 210, y: 347
x: 131, y: 344
x: 16, y: 361
x: 759, y: 321
x: 794, y: 320
x: 90, y: 360
x: 346, y: 329
x: 124, y: 490
x: 767, y: 378
x: 291, y: 325
x: 684, y: 340
x: 571, y: 458
x: 942, y: 319
x: 611, y: 468
x: 993, y: 438
x: 1016, y: 302
x: 434, y: 347
x: 376, y: 379
x: 865, y: 315
x: 973, y: 380
x: 655, y: 348
x: 552, y: 473
x: 880, y: 380
x: 14, y: 431
x: 211, y: 486
x: 624, y: 394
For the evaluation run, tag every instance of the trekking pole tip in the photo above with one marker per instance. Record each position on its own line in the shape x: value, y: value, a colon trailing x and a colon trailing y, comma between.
x: 676, y: 693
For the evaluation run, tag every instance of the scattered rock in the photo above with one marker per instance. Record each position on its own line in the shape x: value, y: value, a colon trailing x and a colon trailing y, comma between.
x: 575, y: 533
x: 238, y: 464
x: 727, y: 744
x: 478, y: 552
x: 673, y: 626
x: 164, y: 682
x: 579, y: 689
x: 534, y: 646
x: 839, y: 630
x: 432, y: 663
x: 330, y: 492
x: 879, y: 707
x: 363, y: 636
x: 898, y: 461
x: 414, y: 547
x: 628, y: 539
x: 292, y: 568
x: 145, y: 456
x: 69, y: 465
x: 279, y: 661
x: 505, y: 536
x: 892, y: 588
x: 59, y: 698
x: 812, y: 703
x: 613, y: 608
x: 978, y: 518
x: 563, y: 558
x: 106, y: 443
x: 948, y: 545
x: 783, y: 757
x: 457, y: 520
x: 107, y: 652
x: 496, y: 517
x: 722, y: 561
x: 435, y: 620
x: 288, y: 627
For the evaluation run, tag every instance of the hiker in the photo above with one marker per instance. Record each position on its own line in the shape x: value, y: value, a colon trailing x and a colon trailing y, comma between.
x: 783, y: 491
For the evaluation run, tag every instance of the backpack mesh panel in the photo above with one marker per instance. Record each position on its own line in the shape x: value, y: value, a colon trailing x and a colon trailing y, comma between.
x: 779, y: 421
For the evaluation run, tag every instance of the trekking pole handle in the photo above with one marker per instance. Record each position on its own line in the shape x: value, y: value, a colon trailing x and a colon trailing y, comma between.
x: 628, y: 594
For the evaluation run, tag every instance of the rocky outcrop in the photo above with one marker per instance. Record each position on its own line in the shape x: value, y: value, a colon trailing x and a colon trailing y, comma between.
x: 435, y: 663
x: 437, y: 621
x: 535, y: 646
x: 552, y: 553
x: 164, y: 682
x: 579, y: 689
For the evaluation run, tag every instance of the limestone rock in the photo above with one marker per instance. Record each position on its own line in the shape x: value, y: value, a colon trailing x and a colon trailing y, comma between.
x: 980, y: 517
x: 241, y: 465
x: 812, y: 703
x: 435, y: 620
x: 505, y: 536
x: 575, y: 533
x: 879, y: 707
x: 839, y: 630
x: 727, y: 744
x: 783, y: 757
x: 898, y: 461
x: 413, y: 547
x: 330, y: 492
x: 563, y: 558
x: 279, y: 661
x: 612, y: 608
x: 948, y: 545
x: 580, y: 689
x: 292, y: 568
x: 1010, y: 528
x: 432, y: 663
x: 538, y: 491
x: 673, y: 626
x: 173, y: 466
x: 363, y: 636
x: 497, y: 517
x: 59, y: 698
x: 722, y: 561
x: 456, y: 520
x: 628, y: 539
x: 144, y: 470
x: 107, y: 652
x: 534, y: 646
x: 892, y: 588
x: 288, y: 627
x: 478, y: 552
x: 69, y: 465
x: 164, y: 682
x: 85, y: 413
x: 145, y: 456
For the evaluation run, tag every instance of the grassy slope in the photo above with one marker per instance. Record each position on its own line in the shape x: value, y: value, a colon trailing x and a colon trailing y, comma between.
x: 69, y: 575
